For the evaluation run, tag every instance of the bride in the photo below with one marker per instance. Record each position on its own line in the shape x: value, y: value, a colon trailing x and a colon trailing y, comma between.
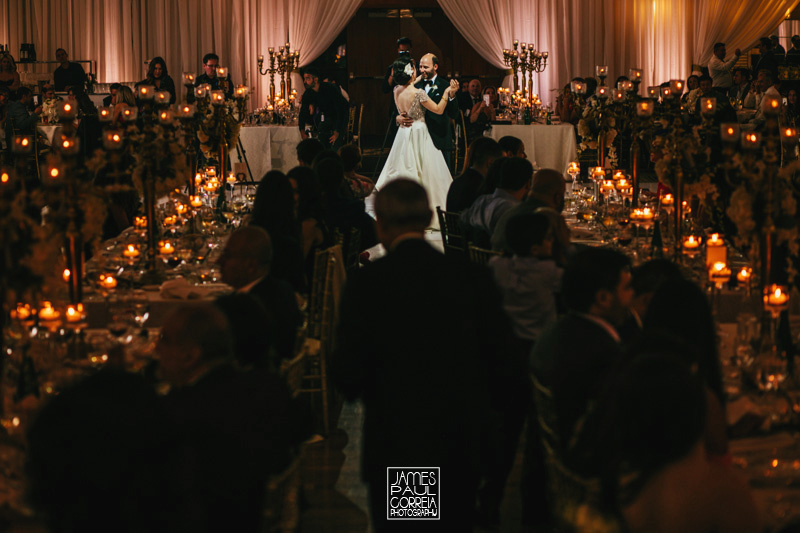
x: 413, y: 153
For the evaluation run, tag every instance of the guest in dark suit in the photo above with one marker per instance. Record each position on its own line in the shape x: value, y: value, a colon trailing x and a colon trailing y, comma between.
x: 209, y: 76
x: 577, y: 354
x: 438, y: 125
x: 240, y: 427
x: 741, y: 84
x: 767, y: 60
x: 422, y: 340
x: 466, y: 187
x: 477, y: 114
x: 244, y: 264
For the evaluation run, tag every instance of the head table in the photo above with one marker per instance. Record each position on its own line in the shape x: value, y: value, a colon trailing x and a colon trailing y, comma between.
x: 267, y: 148
x: 549, y: 145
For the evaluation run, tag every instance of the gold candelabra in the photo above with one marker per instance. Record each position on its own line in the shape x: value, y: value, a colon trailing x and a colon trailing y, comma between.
x: 525, y: 59
x: 285, y: 61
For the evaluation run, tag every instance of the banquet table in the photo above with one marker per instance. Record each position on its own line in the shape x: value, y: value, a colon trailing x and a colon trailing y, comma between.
x: 550, y: 146
x: 49, y: 131
x: 268, y: 148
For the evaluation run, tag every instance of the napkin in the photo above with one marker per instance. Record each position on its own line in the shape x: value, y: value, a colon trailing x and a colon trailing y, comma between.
x: 180, y: 289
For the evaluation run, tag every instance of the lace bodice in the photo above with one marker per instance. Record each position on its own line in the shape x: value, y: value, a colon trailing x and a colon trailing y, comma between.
x: 415, y: 111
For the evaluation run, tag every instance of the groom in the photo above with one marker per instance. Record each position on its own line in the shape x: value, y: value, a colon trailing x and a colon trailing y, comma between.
x: 438, y: 125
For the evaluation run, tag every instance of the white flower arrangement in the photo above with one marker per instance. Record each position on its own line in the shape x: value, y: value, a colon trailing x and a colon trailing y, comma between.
x: 409, y: 70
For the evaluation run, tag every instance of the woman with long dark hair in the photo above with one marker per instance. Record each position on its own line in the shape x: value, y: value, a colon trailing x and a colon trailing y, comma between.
x: 158, y: 77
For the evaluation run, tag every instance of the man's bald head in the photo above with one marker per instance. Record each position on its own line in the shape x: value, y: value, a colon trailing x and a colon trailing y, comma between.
x: 550, y: 187
x: 428, y: 66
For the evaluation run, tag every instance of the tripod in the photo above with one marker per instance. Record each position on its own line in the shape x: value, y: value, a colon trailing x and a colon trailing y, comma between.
x: 242, y: 154
x: 392, y: 115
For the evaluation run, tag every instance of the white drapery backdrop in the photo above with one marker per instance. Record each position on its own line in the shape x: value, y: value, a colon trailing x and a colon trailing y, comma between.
x: 663, y: 37
x: 122, y: 34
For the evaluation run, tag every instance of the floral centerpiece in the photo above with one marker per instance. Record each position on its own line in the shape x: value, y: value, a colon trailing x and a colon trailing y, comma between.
x: 597, y: 128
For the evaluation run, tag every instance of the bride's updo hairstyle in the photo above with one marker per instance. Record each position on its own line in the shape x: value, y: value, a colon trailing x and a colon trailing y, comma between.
x: 402, y: 69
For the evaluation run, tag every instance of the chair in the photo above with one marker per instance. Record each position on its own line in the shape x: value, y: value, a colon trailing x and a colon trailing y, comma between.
x: 453, y: 238
x: 351, y: 247
x: 293, y: 370
x: 569, y: 492
x: 281, y: 511
x: 328, y: 279
x: 354, y: 124
x: 463, y: 146
x: 481, y: 256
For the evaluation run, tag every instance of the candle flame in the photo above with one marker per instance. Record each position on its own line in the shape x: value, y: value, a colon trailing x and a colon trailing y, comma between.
x: 54, y: 173
x: 774, y: 463
x: 25, y: 142
x: 66, y: 274
x: 730, y: 131
x: 4, y: 177
x: 67, y: 107
x: 778, y: 292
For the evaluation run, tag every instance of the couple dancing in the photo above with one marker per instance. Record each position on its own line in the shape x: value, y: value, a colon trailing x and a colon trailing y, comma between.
x: 416, y: 153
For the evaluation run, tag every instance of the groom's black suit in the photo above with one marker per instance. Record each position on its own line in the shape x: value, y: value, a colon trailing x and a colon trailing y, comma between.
x: 439, y: 125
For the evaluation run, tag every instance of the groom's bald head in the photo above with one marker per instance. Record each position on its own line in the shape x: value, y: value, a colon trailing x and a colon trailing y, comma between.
x: 428, y: 66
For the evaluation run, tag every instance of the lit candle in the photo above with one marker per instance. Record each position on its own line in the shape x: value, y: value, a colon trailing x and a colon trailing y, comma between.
x: 73, y: 315
x: 22, y: 312
x: 667, y: 200
x: 66, y: 110
x: 744, y: 275
x: 200, y: 92
x: 598, y: 173
x: 222, y: 72
x: 622, y: 183
x: 129, y: 114
x: 601, y: 71
x: 691, y: 244
x: 644, y: 108
x: 635, y: 74
x: 771, y: 105
x: 653, y: 91
x: 54, y: 172
x: 716, y: 251
x: 188, y: 78
x: 66, y: 275
x: 789, y: 136
x: 162, y: 97
x: 708, y: 105
x: 105, y: 114
x: 166, y: 248
x: 5, y: 177
x: 108, y: 282
x: 729, y: 132
x: 166, y: 116
x: 112, y: 140
x: 170, y: 220
x: 719, y: 273
x: 603, y: 91
x: 776, y: 296
x: 195, y: 201
x: 23, y: 144
x: 573, y: 168
x: 607, y: 185
x: 146, y: 92
x: 47, y: 312
x: 618, y: 95
x: 131, y: 251
x: 751, y: 140
x: 666, y: 92
x: 140, y: 222
x: 231, y: 178
x: 217, y: 97
x: 676, y: 86
x: 181, y: 209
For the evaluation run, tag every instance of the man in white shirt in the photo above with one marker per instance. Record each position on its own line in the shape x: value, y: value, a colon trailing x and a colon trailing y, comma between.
x: 719, y: 69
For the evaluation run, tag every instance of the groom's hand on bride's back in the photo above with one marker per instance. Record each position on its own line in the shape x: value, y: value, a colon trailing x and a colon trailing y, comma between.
x: 403, y: 120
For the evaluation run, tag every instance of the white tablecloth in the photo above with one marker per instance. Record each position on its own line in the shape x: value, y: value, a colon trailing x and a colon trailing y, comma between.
x: 268, y: 148
x: 49, y: 130
x: 550, y: 146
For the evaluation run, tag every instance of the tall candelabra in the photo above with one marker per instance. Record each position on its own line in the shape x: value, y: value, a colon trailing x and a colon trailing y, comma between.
x: 284, y: 61
x: 525, y: 59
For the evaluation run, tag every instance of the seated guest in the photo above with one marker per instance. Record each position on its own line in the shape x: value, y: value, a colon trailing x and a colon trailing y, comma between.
x: 273, y: 210
x: 596, y: 288
x: 89, y: 129
x: 157, y: 77
x: 8, y: 72
x: 767, y: 87
x: 791, y: 111
x: 18, y: 115
x: 108, y: 101
x: 512, y: 147
x: 253, y: 333
x: 245, y: 265
x: 494, y: 100
x: 464, y: 189
x: 477, y: 114
x: 340, y: 211
x: 209, y: 76
x: 49, y: 93
x: 67, y: 74
x: 124, y: 99
x: 530, y: 279
x: 793, y: 54
x: 241, y: 427
x: 647, y: 278
x: 680, y: 310
x: 480, y: 219
x: 103, y: 455
x: 547, y: 190
x: 310, y: 210
x: 741, y: 85
x: 647, y: 446
x: 724, y: 111
x: 308, y: 150
x: 4, y: 99
x: 359, y: 186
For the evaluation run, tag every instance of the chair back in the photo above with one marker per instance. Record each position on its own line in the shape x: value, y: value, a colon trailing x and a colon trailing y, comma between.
x: 281, y: 510
x: 453, y: 238
x: 350, y: 241
x: 481, y: 256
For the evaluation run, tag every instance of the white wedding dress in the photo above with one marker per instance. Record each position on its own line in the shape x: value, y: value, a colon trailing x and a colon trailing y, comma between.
x: 414, y: 155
